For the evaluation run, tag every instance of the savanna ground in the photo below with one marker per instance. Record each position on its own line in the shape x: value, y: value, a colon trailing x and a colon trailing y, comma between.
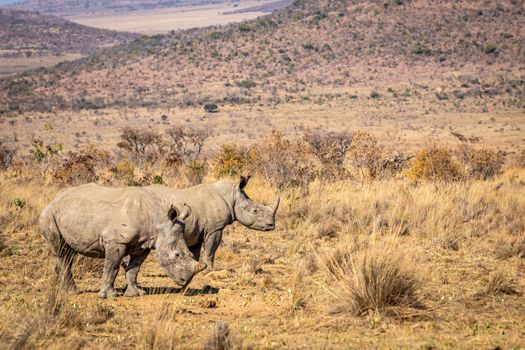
x: 430, y: 256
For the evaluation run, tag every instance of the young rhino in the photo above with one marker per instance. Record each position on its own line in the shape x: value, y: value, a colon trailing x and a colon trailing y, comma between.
x: 113, y: 223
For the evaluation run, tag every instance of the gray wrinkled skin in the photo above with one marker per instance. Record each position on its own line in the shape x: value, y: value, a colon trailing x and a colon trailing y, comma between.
x: 114, y: 223
x: 213, y: 207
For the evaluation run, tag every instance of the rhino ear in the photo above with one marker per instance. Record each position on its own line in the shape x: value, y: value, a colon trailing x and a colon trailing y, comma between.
x: 173, y: 214
x: 244, y: 181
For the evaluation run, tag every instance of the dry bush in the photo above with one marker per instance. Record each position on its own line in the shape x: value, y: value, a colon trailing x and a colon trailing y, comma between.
x: 366, y: 154
x: 375, y: 280
x: 500, y: 282
x: 81, y: 167
x: 142, y: 146
x: 283, y: 162
x: 330, y: 150
x: 434, y: 163
x: 184, y: 145
x: 230, y: 160
x: 6, y: 155
x: 482, y: 163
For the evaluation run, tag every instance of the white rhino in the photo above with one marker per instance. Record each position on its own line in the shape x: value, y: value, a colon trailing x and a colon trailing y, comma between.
x: 114, y: 223
x: 213, y: 207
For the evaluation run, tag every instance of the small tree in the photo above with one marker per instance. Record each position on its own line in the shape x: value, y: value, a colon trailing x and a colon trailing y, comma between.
x: 184, y: 144
x: 141, y: 145
x: 366, y: 154
x: 211, y: 108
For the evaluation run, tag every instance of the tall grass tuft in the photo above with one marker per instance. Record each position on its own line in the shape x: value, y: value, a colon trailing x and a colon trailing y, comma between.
x: 373, y: 281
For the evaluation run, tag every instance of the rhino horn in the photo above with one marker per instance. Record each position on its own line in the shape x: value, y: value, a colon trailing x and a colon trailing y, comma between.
x: 185, y: 212
x: 275, y: 205
x: 201, y: 265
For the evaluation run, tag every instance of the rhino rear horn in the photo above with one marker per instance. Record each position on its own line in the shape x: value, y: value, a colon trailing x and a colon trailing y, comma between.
x: 185, y: 212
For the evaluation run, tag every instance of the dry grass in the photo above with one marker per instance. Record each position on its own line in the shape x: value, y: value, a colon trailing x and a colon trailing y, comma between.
x: 376, y: 280
x: 394, y: 251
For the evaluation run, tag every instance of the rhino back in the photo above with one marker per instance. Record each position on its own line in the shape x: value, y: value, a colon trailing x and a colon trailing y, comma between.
x: 89, y: 215
x: 210, y: 210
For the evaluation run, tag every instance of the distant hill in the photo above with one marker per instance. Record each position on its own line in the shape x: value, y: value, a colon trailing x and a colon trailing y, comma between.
x: 269, y: 7
x: 28, y: 33
x: 309, y: 45
x: 75, y: 7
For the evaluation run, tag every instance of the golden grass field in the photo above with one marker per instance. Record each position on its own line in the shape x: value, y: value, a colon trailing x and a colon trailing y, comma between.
x: 159, y: 21
x: 462, y: 243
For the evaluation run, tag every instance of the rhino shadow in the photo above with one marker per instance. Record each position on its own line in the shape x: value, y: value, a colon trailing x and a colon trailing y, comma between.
x: 206, y: 290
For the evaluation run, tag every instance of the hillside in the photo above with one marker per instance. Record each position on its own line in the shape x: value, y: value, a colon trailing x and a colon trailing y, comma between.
x: 75, y: 7
x: 475, y: 49
x: 26, y: 33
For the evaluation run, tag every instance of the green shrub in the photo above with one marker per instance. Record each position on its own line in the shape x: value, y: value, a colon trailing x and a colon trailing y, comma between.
x: 211, y: 108
x: 491, y: 48
x: 19, y: 202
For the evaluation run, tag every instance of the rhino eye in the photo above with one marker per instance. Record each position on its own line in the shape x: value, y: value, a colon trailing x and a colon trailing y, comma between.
x: 255, y: 210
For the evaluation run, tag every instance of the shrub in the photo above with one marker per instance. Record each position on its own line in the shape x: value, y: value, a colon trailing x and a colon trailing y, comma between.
x: 158, y: 180
x: 196, y: 171
x: 45, y: 155
x: 211, y: 108
x: 366, y: 154
x: 491, y: 48
x: 19, y: 202
x: 141, y: 145
x: 330, y: 150
x: 184, y: 144
x: 124, y: 170
x: 375, y: 94
x: 282, y: 162
x: 6, y: 155
x: 230, y: 160
x: 79, y: 168
x: 434, y: 163
x: 481, y: 164
x: 246, y: 84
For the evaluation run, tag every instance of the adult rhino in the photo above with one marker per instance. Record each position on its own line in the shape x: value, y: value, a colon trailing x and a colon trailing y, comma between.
x: 213, y: 207
x: 114, y: 223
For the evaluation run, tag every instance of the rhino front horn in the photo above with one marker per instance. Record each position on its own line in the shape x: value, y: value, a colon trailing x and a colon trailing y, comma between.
x: 201, y: 265
x: 275, y: 205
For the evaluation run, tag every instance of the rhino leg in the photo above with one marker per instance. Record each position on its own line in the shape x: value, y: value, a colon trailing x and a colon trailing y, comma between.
x: 114, y: 254
x: 132, y: 268
x: 211, y: 243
